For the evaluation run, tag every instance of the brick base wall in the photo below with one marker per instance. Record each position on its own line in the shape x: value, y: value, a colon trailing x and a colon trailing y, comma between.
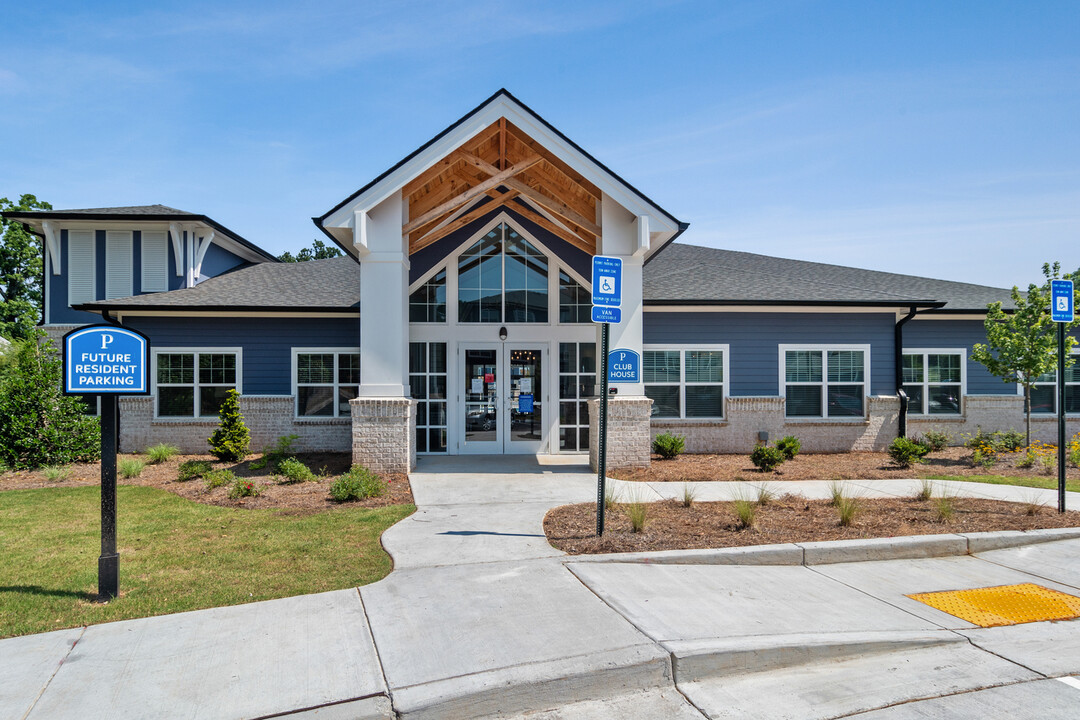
x: 747, y: 418
x: 56, y: 333
x: 384, y: 434
x: 266, y: 417
x: 990, y: 413
x: 629, y: 443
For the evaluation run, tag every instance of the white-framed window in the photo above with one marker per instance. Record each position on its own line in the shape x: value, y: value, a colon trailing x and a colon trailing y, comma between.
x: 685, y: 382
x: 119, y: 264
x: 1044, y: 393
x: 192, y: 382
x: 82, y: 267
x: 577, y: 383
x: 325, y: 380
x: 575, y: 302
x: 427, y: 383
x: 934, y: 380
x: 428, y: 303
x: 824, y: 381
x: 502, y: 278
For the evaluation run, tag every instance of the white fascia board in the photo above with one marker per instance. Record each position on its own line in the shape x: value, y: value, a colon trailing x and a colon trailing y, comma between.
x: 502, y: 106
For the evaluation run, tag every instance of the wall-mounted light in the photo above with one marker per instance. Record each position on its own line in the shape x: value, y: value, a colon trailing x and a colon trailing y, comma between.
x: 502, y: 333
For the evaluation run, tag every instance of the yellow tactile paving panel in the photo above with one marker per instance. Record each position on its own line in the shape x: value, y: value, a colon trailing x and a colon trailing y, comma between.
x: 1004, y: 605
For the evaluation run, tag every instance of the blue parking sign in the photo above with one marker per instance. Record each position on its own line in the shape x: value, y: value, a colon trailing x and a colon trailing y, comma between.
x: 106, y: 360
x: 1061, y: 301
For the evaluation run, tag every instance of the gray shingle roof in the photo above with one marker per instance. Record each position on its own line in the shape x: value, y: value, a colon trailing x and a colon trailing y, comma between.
x: 318, y: 285
x: 128, y: 210
x: 686, y: 274
x: 681, y: 275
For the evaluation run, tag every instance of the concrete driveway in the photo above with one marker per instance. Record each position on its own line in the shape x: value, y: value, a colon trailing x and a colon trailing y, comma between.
x: 482, y: 618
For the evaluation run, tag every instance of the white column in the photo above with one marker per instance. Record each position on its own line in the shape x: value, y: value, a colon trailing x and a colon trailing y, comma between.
x: 384, y: 301
x: 620, y: 239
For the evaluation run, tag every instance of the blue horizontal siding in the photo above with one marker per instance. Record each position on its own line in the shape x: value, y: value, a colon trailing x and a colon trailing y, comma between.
x: 754, y: 340
x: 267, y: 342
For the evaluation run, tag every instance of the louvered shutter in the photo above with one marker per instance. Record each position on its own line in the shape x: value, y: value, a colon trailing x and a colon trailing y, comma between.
x: 155, y: 262
x: 119, y: 264
x: 81, y: 286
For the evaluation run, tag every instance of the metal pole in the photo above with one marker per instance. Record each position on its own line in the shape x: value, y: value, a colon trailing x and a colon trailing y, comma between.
x: 1061, y: 416
x: 602, y: 450
x: 109, y: 562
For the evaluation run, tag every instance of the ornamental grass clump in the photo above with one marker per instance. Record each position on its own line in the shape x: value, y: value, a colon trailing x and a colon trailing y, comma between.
x: 837, y: 492
x: 925, y: 491
x: 847, y: 507
x: 192, y: 470
x: 689, y: 494
x: 945, y: 505
x: 745, y: 513
x: 162, y: 452
x: 357, y: 484
x: 905, y: 451
x: 130, y: 467
x: 55, y: 473
x: 638, y: 514
x: 765, y: 494
x: 669, y: 446
x: 231, y: 440
x: 766, y: 458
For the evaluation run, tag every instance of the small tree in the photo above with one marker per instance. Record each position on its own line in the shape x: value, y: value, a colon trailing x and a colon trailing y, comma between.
x: 39, y: 425
x: 20, y: 271
x: 231, y: 440
x: 1022, y: 344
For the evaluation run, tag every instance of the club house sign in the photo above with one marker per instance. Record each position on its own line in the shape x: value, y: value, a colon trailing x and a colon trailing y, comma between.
x: 106, y: 359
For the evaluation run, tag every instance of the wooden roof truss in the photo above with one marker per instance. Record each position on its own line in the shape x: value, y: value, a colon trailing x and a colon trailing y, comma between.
x: 502, y: 167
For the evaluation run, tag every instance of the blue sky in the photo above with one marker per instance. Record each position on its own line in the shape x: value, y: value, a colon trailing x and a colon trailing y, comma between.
x: 929, y: 138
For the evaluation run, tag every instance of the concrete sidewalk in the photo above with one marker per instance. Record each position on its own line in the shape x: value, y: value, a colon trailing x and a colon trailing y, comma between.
x: 482, y: 618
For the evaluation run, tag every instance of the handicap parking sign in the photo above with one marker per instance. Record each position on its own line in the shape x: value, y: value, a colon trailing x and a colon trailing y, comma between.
x: 606, y: 281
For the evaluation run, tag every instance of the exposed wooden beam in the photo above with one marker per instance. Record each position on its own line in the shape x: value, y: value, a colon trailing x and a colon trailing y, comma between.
x: 575, y: 240
x: 473, y: 143
x: 515, y: 133
x: 556, y: 206
x: 476, y: 190
x: 502, y: 143
x: 477, y: 212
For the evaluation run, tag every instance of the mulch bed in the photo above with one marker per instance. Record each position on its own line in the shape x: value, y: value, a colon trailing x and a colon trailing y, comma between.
x: 298, y: 497
x: 670, y: 526
x: 828, y: 466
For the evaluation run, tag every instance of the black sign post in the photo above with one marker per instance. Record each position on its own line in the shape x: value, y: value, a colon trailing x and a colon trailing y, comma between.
x: 107, y: 361
x: 601, y: 459
x: 1062, y: 312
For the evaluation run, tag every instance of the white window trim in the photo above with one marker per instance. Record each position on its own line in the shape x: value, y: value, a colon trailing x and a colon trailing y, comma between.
x: 823, y: 348
x: 451, y: 261
x: 335, y: 351
x: 683, y: 349
x: 1020, y: 390
x: 239, y: 352
x: 427, y: 426
x: 962, y: 352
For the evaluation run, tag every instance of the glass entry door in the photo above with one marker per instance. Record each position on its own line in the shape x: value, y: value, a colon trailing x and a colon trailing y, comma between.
x: 503, y: 398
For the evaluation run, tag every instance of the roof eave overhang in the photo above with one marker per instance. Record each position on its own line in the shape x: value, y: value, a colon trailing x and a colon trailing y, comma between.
x: 338, y: 222
x: 249, y: 250
x: 924, y: 304
x: 237, y: 309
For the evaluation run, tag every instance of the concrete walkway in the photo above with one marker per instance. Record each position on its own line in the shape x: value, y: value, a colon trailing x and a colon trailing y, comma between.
x: 482, y: 618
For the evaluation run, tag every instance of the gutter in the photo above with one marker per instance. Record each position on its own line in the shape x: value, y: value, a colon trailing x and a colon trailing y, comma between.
x: 898, y: 348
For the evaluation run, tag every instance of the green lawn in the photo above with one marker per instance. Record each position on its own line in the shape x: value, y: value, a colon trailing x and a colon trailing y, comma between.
x: 175, y: 555
x: 1051, y: 483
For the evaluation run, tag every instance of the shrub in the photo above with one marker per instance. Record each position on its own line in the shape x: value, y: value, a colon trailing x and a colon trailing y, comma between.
x: 1074, y: 450
x: 192, y: 469
x: 54, y: 473
x: 668, y: 446
x: 130, y: 467
x: 766, y: 458
x: 936, y: 440
x: 689, y: 494
x: 1011, y: 440
x: 244, y: 487
x: 231, y: 440
x: 294, y: 471
x: 272, y: 456
x: 984, y: 456
x: 789, y: 446
x: 162, y: 452
x: 745, y: 513
x: 847, y: 508
x: 39, y: 425
x: 219, y: 478
x: 357, y: 484
x: 904, y: 451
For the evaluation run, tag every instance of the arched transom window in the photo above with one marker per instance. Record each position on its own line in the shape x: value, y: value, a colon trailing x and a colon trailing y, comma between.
x: 502, y: 278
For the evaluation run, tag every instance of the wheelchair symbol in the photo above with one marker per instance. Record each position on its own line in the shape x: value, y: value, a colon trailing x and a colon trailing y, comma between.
x: 1063, y: 304
x: 605, y: 286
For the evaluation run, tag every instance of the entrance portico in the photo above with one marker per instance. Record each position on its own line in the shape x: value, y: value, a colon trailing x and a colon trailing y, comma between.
x: 474, y: 255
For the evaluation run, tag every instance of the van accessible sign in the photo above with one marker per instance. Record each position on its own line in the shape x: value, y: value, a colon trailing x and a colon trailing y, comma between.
x: 106, y: 360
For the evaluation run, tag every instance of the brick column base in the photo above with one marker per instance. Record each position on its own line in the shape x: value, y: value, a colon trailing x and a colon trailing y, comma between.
x: 629, y: 442
x: 384, y: 434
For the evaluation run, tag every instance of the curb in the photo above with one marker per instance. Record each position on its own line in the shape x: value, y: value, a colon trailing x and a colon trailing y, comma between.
x: 842, y: 551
